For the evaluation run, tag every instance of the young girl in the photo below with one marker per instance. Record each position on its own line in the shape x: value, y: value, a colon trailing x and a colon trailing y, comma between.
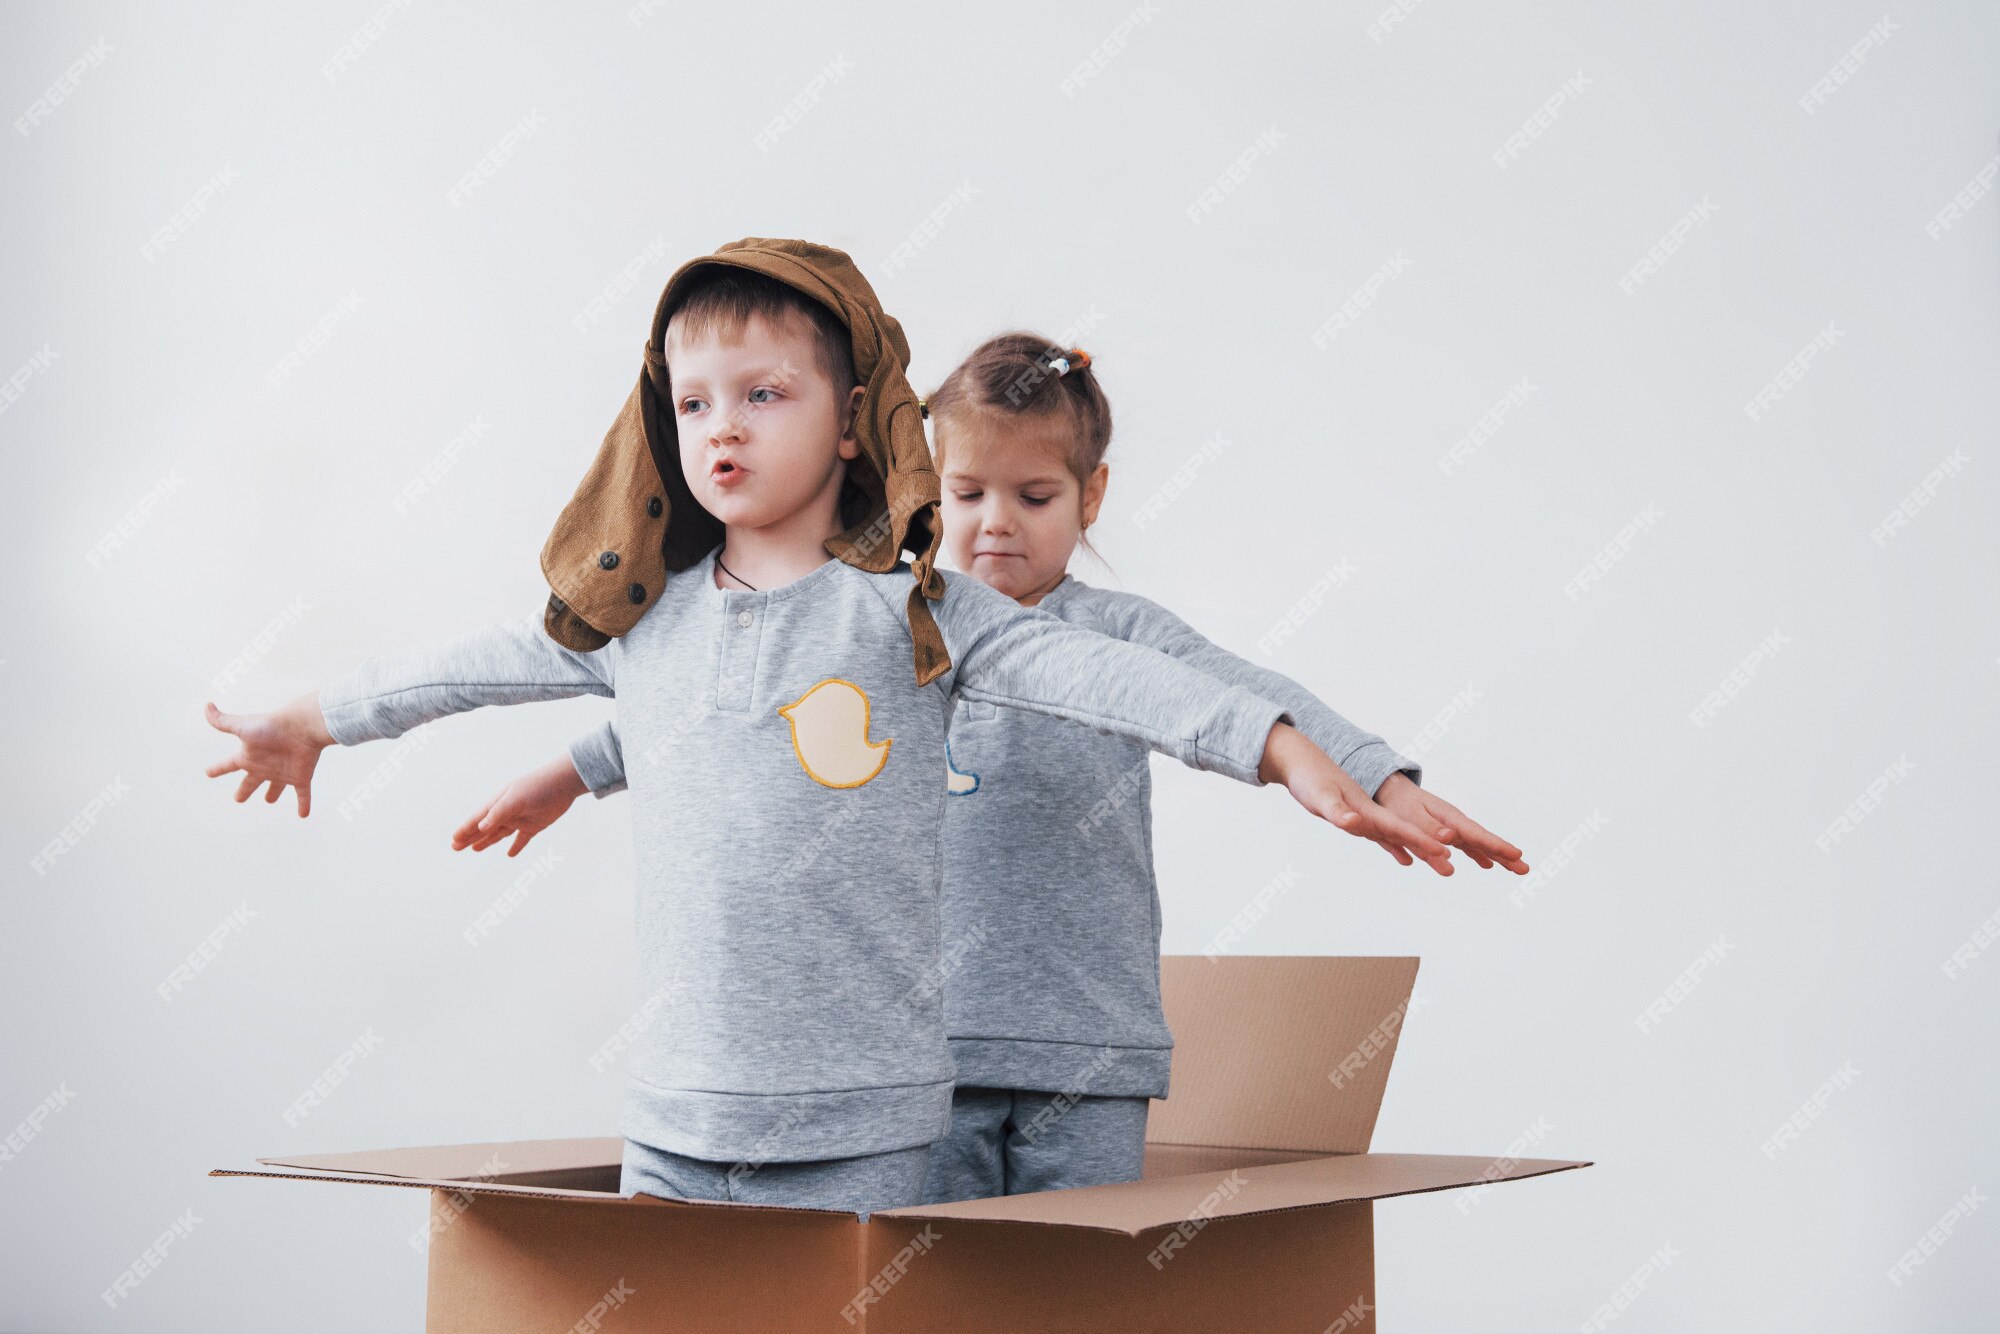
x: 1050, y: 911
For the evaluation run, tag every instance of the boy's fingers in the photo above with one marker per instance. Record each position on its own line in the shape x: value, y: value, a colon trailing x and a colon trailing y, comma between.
x: 468, y: 831
x: 228, y: 766
x: 520, y: 841
x: 223, y: 722
x: 277, y: 789
x: 1472, y: 834
x: 247, y: 786
x: 305, y: 800
x: 1478, y: 840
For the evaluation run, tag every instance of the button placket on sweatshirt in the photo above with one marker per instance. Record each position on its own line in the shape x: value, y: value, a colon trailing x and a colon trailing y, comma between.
x: 743, y: 617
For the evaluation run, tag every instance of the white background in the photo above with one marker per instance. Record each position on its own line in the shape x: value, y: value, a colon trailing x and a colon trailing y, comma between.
x: 277, y: 502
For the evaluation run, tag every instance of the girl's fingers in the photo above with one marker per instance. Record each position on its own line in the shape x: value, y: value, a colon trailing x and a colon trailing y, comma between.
x: 228, y: 766
x: 276, y: 790
x: 222, y: 722
x: 249, y: 784
x: 1412, y: 837
x: 305, y: 800
x: 520, y: 841
x: 1402, y: 856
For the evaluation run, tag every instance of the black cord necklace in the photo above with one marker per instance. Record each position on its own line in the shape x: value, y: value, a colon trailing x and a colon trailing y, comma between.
x: 732, y: 574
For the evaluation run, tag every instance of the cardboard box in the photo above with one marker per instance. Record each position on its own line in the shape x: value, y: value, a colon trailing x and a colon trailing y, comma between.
x: 1255, y: 1213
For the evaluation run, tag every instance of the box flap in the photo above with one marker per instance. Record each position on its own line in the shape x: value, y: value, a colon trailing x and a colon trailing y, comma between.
x: 586, y: 1170
x: 1134, y: 1207
x: 516, y: 1162
x: 1279, y: 1052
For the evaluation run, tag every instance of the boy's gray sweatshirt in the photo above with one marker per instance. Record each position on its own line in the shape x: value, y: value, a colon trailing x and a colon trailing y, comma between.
x: 790, y: 780
x: 1051, y: 914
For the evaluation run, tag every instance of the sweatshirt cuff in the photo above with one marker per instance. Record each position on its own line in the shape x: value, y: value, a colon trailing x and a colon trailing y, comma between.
x: 348, y: 719
x: 1232, y: 741
x: 594, y: 767
x: 1371, y: 765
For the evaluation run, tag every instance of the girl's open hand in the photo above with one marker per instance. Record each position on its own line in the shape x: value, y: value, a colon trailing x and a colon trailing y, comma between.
x: 1432, y: 813
x: 1325, y: 789
x: 280, y: 748
x: 524, y: 808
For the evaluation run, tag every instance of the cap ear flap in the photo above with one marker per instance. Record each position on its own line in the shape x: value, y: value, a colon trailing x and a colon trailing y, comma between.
x: 605, y: 559
x: 571, y: 630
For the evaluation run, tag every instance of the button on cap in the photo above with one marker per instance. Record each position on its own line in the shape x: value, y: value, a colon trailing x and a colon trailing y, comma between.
x: 608, y: 561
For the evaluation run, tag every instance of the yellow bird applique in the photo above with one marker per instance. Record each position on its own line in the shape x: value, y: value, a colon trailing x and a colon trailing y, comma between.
x: 830, y: 734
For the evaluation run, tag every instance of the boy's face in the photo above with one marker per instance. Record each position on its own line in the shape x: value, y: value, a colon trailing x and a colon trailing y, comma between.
x: 1012, y: 509
x: 764, y: 438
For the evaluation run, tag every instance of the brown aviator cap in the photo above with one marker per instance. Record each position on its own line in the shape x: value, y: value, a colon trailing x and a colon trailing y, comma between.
x: 633, y: 520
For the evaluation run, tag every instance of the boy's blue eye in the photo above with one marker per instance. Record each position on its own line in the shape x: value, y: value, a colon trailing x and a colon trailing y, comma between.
x: 689, y: 405
x: 755, y: 392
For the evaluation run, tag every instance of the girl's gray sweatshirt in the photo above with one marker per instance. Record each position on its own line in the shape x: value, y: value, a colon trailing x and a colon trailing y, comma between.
x: 790, y: 775
x: 1051, y: 913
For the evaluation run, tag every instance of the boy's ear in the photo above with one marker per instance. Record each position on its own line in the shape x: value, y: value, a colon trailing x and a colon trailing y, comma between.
x: 1093, y: 492
x: 850, y: 447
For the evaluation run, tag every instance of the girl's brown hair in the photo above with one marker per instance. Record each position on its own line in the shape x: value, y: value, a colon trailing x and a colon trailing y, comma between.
x: 1020, y: 374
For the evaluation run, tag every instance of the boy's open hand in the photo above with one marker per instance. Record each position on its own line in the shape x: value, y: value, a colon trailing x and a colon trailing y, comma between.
x: 280, y: 748
x: 1325, y: 789
x: 1430, y: 812
x: 524, y: 808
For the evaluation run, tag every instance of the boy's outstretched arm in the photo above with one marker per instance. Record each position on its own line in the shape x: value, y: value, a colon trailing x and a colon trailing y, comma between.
x: 1392, y: 781
x: 538, y: 798
x: 513, y: 662
x: 1017, y: 657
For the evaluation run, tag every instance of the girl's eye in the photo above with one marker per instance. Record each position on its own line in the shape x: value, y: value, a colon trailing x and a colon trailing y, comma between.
x: 966, y: 497
x: 755, y: 392
x: 1037, y: 501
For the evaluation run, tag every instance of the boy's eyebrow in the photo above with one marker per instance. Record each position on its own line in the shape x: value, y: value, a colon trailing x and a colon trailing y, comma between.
x: 779, y: 374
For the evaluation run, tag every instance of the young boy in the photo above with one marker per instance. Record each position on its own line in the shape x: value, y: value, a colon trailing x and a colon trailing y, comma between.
x: 786, y: 760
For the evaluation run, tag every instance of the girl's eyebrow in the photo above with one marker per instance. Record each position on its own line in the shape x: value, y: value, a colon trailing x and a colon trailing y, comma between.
x: 1052, y: 479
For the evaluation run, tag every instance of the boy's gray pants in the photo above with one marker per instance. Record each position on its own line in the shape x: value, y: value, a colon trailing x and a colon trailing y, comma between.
x: 864, y: 1184
x: 1013, y: 1141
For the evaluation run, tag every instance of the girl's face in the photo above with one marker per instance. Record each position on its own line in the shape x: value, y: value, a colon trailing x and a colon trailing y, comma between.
x: 1012, y: 509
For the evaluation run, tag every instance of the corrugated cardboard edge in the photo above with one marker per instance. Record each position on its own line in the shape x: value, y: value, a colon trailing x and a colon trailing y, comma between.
x: 1214, y: 1199
x: 587, y: 1197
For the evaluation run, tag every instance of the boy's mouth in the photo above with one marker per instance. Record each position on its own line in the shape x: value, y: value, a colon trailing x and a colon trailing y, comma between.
x: 725, y: 473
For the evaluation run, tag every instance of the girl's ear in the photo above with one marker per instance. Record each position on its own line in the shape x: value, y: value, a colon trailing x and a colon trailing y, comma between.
x: 850, y: 446
x: 1093, y: 492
